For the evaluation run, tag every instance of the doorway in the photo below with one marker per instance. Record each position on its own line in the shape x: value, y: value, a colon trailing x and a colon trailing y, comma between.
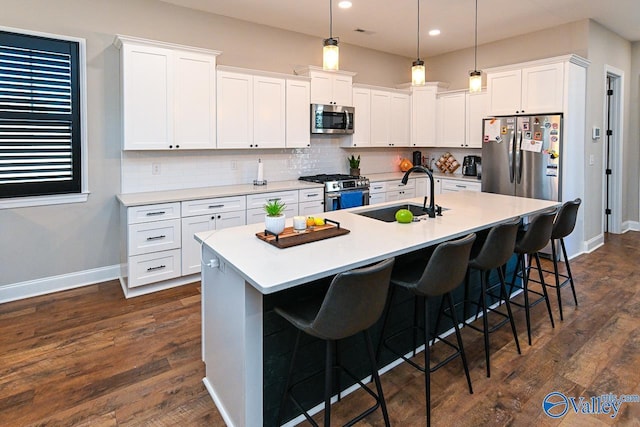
x: 612, y: 150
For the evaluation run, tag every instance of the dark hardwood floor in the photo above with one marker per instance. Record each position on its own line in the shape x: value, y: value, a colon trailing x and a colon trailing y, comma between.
x: 88, y: 357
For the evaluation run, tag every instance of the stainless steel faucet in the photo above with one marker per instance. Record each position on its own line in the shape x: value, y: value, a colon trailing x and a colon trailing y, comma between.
x: 433, y: 208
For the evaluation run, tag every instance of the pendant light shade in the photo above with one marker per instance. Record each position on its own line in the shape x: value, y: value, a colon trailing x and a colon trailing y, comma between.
x: 330, y: 51
x: 475, y: 76
x: 418, y: 69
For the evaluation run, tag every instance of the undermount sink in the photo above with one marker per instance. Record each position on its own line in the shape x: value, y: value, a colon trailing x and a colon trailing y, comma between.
x: 388, y: 213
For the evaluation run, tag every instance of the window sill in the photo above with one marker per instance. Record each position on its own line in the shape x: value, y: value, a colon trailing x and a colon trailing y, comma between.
x: 24, y: 202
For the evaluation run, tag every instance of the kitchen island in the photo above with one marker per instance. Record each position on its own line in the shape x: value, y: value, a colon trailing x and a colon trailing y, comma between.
x: 241, y: 272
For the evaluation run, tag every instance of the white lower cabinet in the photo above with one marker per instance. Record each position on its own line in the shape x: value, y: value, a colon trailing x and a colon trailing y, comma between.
x: 452, y: 186
x: 153, y: 267
x: 422, y: 187
x: 310, y: 201
x: 256, y: 202
x: 389, y: 191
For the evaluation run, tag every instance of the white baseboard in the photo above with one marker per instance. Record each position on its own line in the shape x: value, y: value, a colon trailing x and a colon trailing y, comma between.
x: 63, y: 282
x: 594, y: 243
x: 630, y: 226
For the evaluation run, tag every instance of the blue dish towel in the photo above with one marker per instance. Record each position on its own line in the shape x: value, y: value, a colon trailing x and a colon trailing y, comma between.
x: 351, y: 199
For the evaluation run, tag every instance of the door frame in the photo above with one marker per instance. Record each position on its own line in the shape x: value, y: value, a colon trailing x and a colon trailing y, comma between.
x: 616, y: 148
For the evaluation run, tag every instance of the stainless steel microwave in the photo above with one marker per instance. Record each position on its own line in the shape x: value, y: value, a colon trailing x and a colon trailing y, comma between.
x: 331, y: 119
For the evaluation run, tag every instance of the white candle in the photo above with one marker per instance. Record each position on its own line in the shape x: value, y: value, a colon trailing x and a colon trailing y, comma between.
x: 299, y: 222
x: 260, y: 171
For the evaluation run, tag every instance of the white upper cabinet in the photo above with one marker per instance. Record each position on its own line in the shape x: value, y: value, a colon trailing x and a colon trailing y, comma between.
x: 168, y: 95
x: 528, y: 90
x: 423, y: 115
x: 451, y: 119
x: 380, y: 118
x: 400, y: 120
x: 477, y: 109
x: 251, y: 110
x: 362, y: 124
x: 298, y: 120
x: 329, y: 87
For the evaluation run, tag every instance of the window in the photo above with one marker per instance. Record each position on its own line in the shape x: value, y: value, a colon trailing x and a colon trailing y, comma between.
x: 41, y: 115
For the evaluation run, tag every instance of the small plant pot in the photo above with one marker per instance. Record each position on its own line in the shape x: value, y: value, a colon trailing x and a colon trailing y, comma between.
x: 354, y: 171
x: 274, y: 224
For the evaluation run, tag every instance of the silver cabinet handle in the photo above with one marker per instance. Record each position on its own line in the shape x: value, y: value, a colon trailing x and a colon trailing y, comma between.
x: 277, y: 199
x: 216, y: 206
x: 312, y: 195
x: 160, y: 267
x: 156, y: 213
x: 162, y: 236
x: 461, y: 186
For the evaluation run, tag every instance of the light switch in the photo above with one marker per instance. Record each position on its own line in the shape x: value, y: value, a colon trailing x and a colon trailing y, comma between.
x: 592, y: 160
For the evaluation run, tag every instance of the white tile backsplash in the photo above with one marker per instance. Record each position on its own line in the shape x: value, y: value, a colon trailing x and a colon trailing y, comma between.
x: 208, y: 168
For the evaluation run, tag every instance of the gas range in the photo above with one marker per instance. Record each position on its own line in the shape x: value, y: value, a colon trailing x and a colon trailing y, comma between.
x: 338, y: 182
x: 342, y: 191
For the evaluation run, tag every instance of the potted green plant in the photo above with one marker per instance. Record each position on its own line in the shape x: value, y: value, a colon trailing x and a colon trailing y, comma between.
x: 274, y: 219
x: 354, y: 165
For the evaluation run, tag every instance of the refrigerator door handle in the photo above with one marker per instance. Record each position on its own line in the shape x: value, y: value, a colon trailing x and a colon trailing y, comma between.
x: 519, y: 158
x: 511, y: 155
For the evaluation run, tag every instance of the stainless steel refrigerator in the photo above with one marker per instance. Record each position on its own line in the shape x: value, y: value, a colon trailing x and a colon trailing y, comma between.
x: 521, y: 156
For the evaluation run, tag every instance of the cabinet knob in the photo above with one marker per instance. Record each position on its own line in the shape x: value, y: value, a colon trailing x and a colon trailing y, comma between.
x: 171, y: 146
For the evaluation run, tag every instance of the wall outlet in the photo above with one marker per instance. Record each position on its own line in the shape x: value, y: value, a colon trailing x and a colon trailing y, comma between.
x: 155, y: 168
x: 234, y: 165
x: 592, y: 160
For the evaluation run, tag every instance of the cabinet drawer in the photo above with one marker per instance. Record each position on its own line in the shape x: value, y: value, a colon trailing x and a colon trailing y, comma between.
x: 154, y: 236
x: 377, y: 187
x: 147, y: 213
x: 155, y: 267
x: 310, y: 208
x: 289, y: 198
x: 255, y: 216
x: 397, y: 185
x: 451, y: 185
x: 310, y: 194
x: 216, y: 205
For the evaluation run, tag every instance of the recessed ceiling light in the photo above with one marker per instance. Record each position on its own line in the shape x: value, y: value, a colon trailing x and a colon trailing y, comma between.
x: 434, y: 32
x: 344, y: 4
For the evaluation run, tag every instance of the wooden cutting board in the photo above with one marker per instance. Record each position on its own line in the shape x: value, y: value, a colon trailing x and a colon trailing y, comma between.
x: 289, y: 237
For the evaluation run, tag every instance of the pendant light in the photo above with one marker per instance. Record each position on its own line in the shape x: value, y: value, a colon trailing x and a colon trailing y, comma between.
x: 475, y: 76
x: 330, y: 51
x: 417, y: 69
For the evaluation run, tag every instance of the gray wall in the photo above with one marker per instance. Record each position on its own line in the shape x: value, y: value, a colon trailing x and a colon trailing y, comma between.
x: 633, y: 136
x: 41, y: 242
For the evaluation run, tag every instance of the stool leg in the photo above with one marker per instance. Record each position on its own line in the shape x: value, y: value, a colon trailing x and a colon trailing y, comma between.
x: 465, y: 303
x: 415, y: 324
x: 285, y: 395
x: 427, y: 363
x: 485, y: 320
x: 544, y: 288
x: 503, y: 292
x: 459, y: 339
x: 376, y: 377
x: 556, y: 275
x: 566, y: 261
x: 336, y: 352
x: 328, y: 383
x: 385, y: 317
x: 440, y: 311
x: 525, y: 287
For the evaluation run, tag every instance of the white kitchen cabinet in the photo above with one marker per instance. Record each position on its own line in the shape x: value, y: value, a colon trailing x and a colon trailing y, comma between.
x: 256, y: 202
x: 388, y: 191
x: 298, y: 117
x: 377, y: 192
x: 477, y: 109
x: 423, y: 114
x: 362, y: 126
x: 527, y: 90
x: 451, y: 119
x: 422, y: 186
x: 400, y: 133
x: 204, y: 215
x: 168, y: 95
x: 329, y: 87
x: 380, y: 118
x: 452, y: 186
x: 251, y: 110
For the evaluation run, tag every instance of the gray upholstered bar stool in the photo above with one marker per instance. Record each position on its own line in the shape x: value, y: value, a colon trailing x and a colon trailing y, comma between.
x: 444, y: 271
x: 563, y: 225
x: 528, y: 244
x: 493, y: 255
x: 354, y: 302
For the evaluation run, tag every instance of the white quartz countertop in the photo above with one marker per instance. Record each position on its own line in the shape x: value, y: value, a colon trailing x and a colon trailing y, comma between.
x: 397, y: 176
x: 270, y: 269
x: 153, y: 197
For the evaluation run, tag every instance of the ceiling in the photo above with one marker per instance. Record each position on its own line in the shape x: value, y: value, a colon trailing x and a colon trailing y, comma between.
x: 391, y: 26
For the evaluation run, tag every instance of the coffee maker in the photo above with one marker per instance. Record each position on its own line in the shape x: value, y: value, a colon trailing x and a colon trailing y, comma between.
x: 417, y: 158
x: 471, y: 165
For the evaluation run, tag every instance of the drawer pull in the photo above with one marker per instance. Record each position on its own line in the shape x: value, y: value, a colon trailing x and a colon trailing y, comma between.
x: 277, y: 199
x: 215, y: 206
x: 159, y: 267
x: 312, y: 195
x: 162, y: 236
x: 461, y: 186
x: 156, y: 213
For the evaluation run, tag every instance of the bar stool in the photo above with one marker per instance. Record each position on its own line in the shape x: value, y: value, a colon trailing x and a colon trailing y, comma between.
x: 494, y: 254
x: 528, y: 244
x: 444, y: 271
x: 353, y: 303
x: 563, y: 225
